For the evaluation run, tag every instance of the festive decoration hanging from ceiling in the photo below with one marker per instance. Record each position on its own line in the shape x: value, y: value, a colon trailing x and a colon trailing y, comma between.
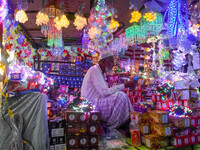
x: 150, y: 16
x: 177, y: 22
x: 21, y: 16
x: 3, y: 10
x: 41, y: 18
x: 113, y: 25
x: 135, y: 16
x: 98, y: 20
x: 80, y: 21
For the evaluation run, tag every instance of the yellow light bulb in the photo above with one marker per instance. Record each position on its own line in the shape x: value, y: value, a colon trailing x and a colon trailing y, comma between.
x: 136, y: 15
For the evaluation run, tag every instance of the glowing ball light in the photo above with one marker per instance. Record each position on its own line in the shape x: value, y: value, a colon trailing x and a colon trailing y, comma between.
x: 3, y: 10
x: 41, y: 18
x: 136, y: 15
x: 80, y: 22
x: 21, y: 16
x: 113, y: 25
x: 93, y: 32
x: 150, y: 16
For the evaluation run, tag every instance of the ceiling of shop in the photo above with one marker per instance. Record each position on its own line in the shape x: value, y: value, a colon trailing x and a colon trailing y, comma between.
x: 71, y: 35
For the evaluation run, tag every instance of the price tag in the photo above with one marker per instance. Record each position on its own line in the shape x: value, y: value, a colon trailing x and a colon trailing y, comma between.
x: 168, y: 131
x: 165, y: 118
x: 187, y: 122
x: 146, y: 129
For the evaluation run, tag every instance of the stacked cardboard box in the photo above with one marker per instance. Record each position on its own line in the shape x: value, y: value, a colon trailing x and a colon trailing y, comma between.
x: 82, y: 130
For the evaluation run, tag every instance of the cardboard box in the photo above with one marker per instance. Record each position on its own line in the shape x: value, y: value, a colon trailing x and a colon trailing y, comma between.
x: 145, y: 128
x: 188, y: 94
x: 139, y: 117
x: 180, y: 122
x: 71, y: 116
x: 73, y: 129
x: 159, y: 116
x: 72, y: 141
x: 93, y: 129
x: 93, y: 141
x: 135, y: 137
x: 162, y: 129
x: 94, y: 117
x: 153, y: 141
x: 83, y: 141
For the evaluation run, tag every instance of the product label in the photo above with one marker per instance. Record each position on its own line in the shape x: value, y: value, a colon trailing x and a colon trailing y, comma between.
x: 148, y: 143
x: 60, y: 147
x: 57, y: 132
x: 186, y: 140
x: 94, y: 117
x: 193, y: 122
x: 193, y: 139
x: 72, y: 142
x: 82, y: 117
x: 51, y: 147
x: 93, y: 140
x: 185, y: 103
x: 83, y: 141
x: 198, y: 121
x: 187, y: 122
x: 92, y: 129
x: 165, y: 119
x: 198, y: 138
x: 145, y: 129
x: 71, y: 117
x: 179, y: 142
x: 168, y: 131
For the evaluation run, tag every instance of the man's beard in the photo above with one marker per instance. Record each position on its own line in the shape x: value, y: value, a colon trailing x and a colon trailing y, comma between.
x: 109, y: 71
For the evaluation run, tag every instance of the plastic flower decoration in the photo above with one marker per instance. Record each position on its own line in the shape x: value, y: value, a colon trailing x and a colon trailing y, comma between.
x: 150, y: 16
x: 21, y: 16
x: 136, y: 15
x: 41, y: 18
x: 80, y: 22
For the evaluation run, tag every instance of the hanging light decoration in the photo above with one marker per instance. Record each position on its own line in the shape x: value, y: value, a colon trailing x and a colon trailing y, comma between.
x: 136, y: 15
x: 149, y: 16
x: 41, y: 18
x: 93, y: 32
x: 80, y: 22
x: 52, y: 20
x: 21, y: 16
x: 113, y: 25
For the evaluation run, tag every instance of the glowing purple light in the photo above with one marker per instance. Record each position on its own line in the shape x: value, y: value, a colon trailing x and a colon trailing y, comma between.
x: 3, y: 10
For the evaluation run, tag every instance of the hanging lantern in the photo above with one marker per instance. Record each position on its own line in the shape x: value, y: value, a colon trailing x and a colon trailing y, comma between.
x: 80, y: 22
x: 136, y: 15
x: 21, y: 16
x: 150, y: 16
x: 41, y: 18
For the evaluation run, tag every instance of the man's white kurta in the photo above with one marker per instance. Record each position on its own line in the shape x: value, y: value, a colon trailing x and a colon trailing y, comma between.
x: 113, y: 104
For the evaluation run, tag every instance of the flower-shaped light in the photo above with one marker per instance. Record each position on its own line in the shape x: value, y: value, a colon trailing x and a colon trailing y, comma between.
x: 41, y: 18
x: 113, y: 25
x: 62, y: 22
x: 136, y: 15
x: 150, y: 16
x: 21, y: 16
x: 80, y: 22
x: 93, y: 32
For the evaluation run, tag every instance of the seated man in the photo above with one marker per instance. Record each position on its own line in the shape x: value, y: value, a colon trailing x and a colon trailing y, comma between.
x: 113, y: 104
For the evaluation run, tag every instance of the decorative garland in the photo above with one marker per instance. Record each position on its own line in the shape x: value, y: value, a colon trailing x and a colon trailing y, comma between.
x: 180, y: 111
x: 165, y: 90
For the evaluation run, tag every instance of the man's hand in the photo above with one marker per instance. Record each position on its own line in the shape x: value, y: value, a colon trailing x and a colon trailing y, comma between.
x: 130, y: 84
